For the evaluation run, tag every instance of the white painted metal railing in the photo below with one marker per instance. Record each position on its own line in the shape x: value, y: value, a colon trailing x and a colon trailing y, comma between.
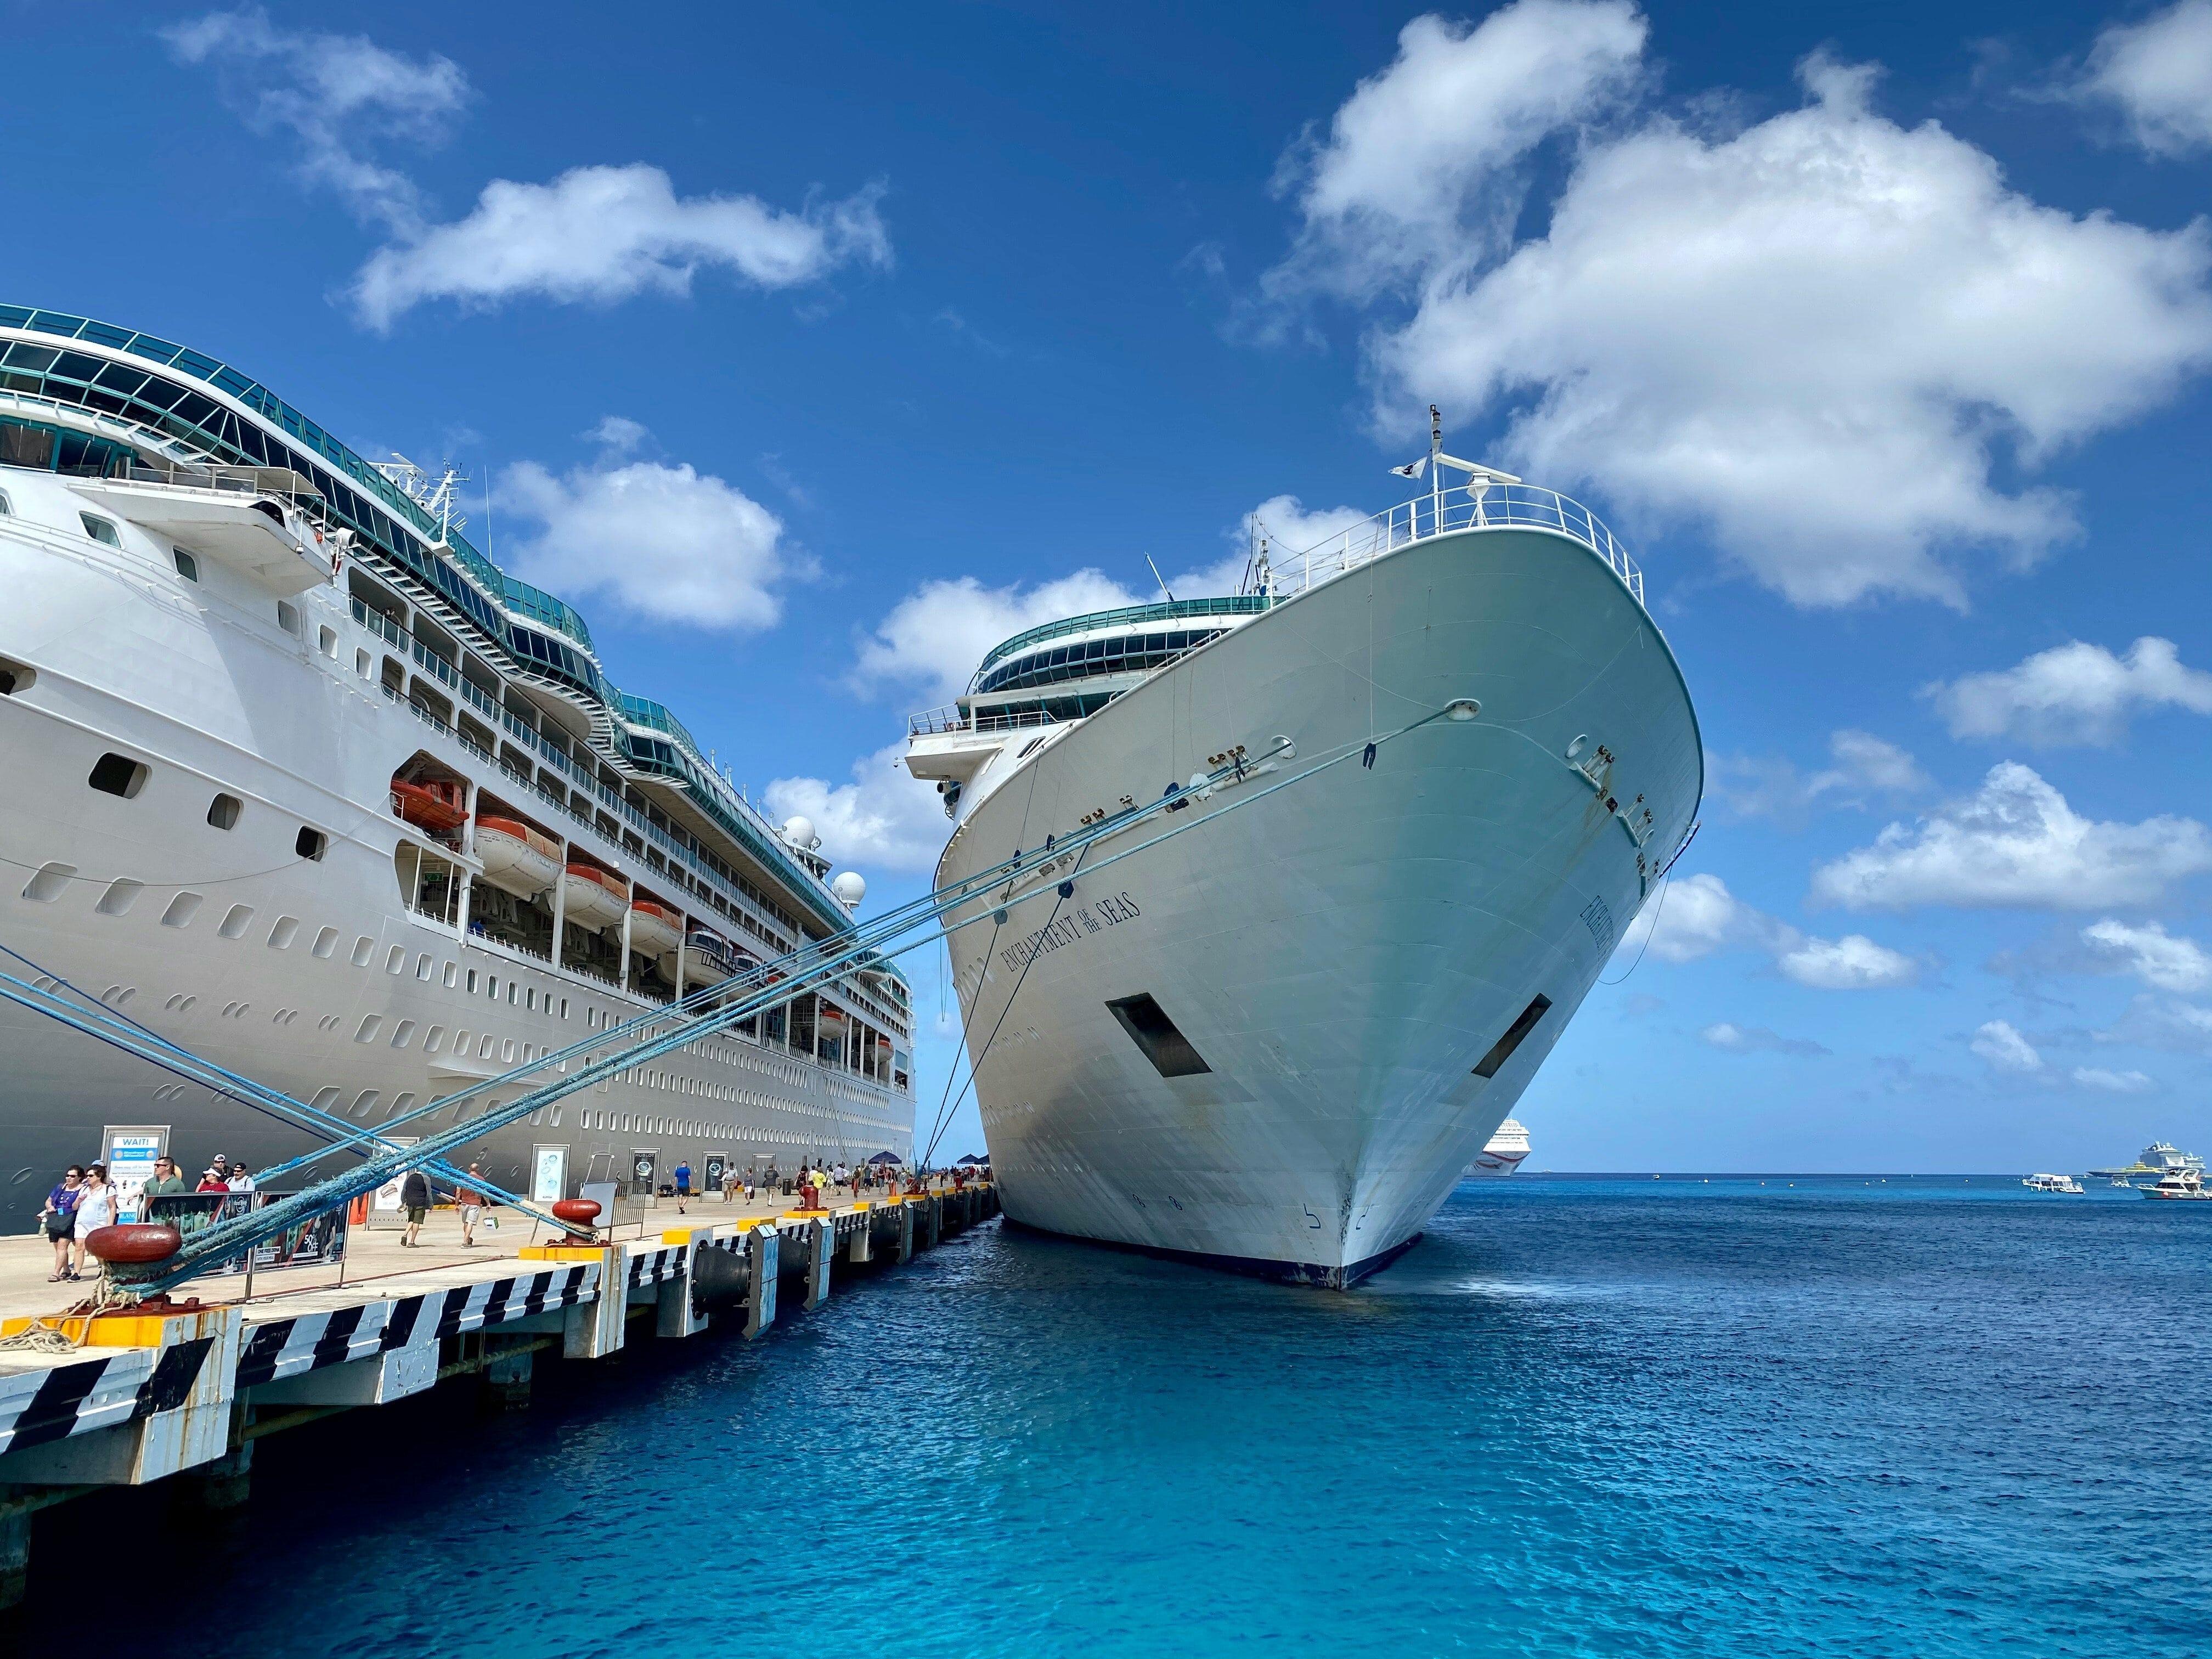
x: 1471, y: 506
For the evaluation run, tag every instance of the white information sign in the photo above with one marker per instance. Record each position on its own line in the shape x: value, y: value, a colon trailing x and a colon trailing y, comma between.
x: 549, y: 1174
x: 130, y: 1159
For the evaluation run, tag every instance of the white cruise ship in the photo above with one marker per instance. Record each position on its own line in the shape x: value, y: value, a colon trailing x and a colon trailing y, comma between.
x: 301, y: 781
x: 1272, y: 1042
x: 1502, y: 1155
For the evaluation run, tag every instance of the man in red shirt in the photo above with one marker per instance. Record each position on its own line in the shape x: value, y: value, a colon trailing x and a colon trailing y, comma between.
x: 469, y: 1199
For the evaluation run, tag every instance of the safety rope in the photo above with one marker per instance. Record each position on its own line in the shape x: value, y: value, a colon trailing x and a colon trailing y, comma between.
x: 922, y: 922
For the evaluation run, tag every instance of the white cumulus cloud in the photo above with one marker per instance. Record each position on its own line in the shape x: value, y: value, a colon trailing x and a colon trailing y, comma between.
x: 2150, y: 953
x: 2001, y: 1044
x: 666, y: 542
x: 933, y: 638
x: 1853, y: 963
x: 2016, y: 843
x: 1409, y: 172
x: 2116, y: 1082
x: 2165, y: 1023
x: 1758, y: 1039
x: 2071, y: 694
x: 1818, y: 335
x: 882, y: 818
x: 335, y: 94
x: 1699, y: 917
x: 602, y: 233
x: 1861, y: 768
x: 2158, y: 75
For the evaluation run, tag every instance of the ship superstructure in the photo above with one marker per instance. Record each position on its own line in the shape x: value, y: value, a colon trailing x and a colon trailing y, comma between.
x: 302, y: 780
x: 1274, y: 1042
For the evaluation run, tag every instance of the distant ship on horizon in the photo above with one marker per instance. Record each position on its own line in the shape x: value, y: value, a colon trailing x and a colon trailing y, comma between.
x: 1503, y: 1156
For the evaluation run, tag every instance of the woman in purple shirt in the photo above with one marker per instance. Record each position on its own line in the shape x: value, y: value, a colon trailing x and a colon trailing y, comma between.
x: 58, y: 1218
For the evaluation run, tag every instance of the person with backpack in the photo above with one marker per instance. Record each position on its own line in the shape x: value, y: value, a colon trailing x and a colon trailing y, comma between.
x: 415, y: 1199
x: 57, y: 1217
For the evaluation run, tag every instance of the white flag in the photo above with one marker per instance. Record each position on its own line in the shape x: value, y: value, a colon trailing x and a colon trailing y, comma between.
x: 1412, y: 469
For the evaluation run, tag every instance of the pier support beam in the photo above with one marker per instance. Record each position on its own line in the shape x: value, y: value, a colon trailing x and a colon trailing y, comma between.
x: 15, y: 1558
x: 821, y: 1246
x: 226, y: 1483
x: 506, y: 1371
x: 933, y: 1220
x: 862, y: 1246
x: 761, y: 1256
x: 906, y: 1233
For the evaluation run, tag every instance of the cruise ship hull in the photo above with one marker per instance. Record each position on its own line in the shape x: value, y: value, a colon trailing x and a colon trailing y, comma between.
x: 309, y: 974
x: 1349, y: 956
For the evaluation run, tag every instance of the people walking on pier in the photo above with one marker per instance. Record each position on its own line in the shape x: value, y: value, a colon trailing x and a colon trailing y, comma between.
x: 166, y: 1180
x: 470, y: 1200
x: 683, y: 1184
x: 95, y: 1208
x: 58, y: 1214
x: 415, y: 1199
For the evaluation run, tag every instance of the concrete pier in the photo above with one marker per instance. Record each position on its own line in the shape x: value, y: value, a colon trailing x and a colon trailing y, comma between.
x: 133, y: 1398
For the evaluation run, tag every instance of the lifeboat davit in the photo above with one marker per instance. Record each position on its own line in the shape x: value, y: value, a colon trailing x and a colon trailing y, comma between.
x: 654, y: 929
x: 440, y: 808
x: 517, y: 860
x: 593, y: 897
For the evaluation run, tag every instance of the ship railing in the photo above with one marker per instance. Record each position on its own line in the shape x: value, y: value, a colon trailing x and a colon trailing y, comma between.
x: 933, y: 722
x: 278, y: 481
x: 1470, y: 506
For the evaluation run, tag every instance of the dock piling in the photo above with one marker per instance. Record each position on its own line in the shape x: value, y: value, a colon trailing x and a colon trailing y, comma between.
x: 762, y: 1255
x: 821, y: 1245
x: 506, y: 1371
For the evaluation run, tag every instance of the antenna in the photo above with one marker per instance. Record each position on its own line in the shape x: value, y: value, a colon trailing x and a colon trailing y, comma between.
x: 1156, y: 577
x: 435, y: 499
x: 1436, y: 477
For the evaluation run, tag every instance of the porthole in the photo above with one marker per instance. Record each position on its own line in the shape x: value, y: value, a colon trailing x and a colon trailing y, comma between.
x: 122, y: 893
x: 287, y: 615
x: 311, y: 843
x: 15, y: 677
x: 282, y: 935
x: 434, y: 1039
x: 101, y: 530
x: 326, y: 641
x: 363, y: 948
x: 472, y: 981
x: 396, y: 960
x: 326, y: 943
x: 405, y: 1035
x: 118, y: 774
x: 223, y: 810
x: 325, y: 1098
x: 451, y: 972
x: 235, y: 921
x: 362, y: 1102
x: 370, y: 1025
x: 182, y: 908
x: 421, y: 967
x: 187, y: 566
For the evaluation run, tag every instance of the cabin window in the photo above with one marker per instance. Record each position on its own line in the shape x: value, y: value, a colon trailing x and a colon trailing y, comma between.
x: 118, y: 774
x: 451, y: 971
x: 396, y: 961
x: 363, y: 948
x: 564, y: 1007
x: 15, y: 677
x: 361, y: 663
x: 433, y: 1040
x: 1502, y: 1050
x: 1151, y: 1031
x: 472, y: 981
x: 491, y: 987
x: 282, y: 935
x: 101, y: 530
x: 187, y: 566
x: 236, y: 920
x: 326, y: 942
x: 287, y: 615
x: 182, y: 908
x: 311, y: 843
x: 326, y: 641
x: 222, y: 811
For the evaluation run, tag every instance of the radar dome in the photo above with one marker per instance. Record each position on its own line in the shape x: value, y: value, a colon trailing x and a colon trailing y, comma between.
x: 799, y: 832
x: 850, y: 888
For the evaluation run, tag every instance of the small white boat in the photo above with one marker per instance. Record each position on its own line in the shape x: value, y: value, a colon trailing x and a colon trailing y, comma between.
x: 517, y: 860
x: 2051, y: 1183
x: 654, y: 929
x: 2179, y: 1183
x: 593, y: 897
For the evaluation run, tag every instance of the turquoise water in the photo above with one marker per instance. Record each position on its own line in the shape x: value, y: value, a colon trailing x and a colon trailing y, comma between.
x: 1928, y: 1418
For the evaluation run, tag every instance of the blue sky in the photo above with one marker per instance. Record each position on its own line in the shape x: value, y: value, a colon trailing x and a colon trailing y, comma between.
x: 809, y: 353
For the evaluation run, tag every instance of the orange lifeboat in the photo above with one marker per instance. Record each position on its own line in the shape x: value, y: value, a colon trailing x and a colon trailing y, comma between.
x: 516, y: 859
x: 440, y: 808
x: 593, y: 897
x: 654, y: 929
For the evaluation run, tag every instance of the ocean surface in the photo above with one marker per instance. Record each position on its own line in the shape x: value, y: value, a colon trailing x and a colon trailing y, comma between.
x: 1769, y: 1416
